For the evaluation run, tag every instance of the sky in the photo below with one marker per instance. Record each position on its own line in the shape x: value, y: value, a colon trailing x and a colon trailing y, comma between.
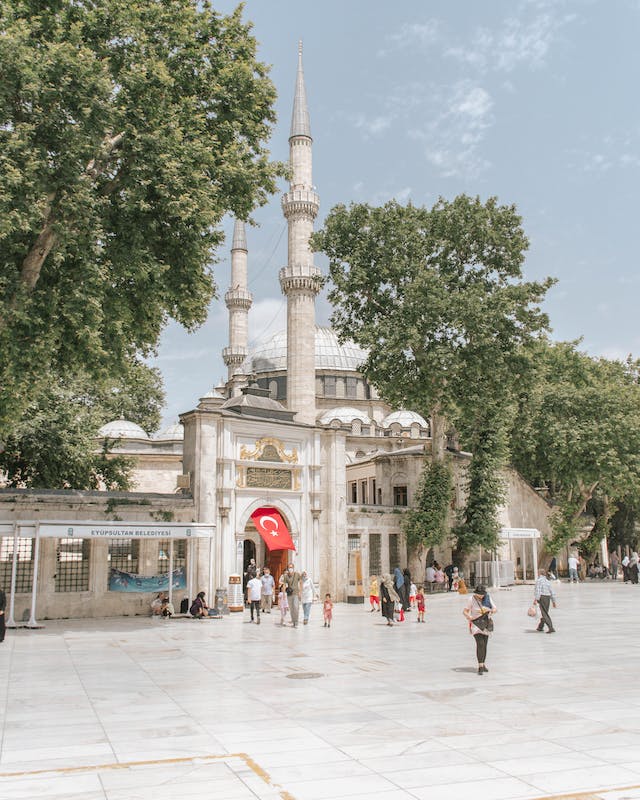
x: 533, y: 102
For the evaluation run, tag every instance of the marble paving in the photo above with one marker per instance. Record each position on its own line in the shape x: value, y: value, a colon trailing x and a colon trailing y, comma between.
x: 135, y: 708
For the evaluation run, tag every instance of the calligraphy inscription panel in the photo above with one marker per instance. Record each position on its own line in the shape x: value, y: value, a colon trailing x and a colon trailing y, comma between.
x: 263, y: 478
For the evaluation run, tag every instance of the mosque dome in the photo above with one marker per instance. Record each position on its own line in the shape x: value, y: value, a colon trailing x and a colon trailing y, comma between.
x: 404, y: 418
x: 173, y: 432
x: 122, y: 429
x: 270, y: 355
x: 344, y: 414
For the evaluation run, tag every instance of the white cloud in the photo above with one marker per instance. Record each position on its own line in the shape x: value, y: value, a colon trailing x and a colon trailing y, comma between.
x: 519, y: 41
x: 372, y: 126
x: 610, y: 153
x: 411, y: 34
x: 266, y: 317
x: 453, y: 137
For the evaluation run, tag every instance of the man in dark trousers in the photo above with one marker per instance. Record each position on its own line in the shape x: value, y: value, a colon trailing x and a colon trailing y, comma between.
x: 448, y: 571
x: 544, y: 597
x: 3, y: 605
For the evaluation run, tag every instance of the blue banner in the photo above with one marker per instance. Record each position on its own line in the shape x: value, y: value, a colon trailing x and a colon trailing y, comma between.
x: 126, y: 582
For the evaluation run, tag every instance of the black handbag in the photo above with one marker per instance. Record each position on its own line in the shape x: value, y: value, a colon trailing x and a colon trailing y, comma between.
x: 483, y: 622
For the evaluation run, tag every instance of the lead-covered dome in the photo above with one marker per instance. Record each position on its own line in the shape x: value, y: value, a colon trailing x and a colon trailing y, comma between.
x: 171, y: 433
x: 122, y: 429
x: 404, y: 418
x: 344, y: 414
x: 270, y: 355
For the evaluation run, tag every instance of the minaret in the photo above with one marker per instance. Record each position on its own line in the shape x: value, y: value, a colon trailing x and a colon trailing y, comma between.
x: 300, y: 279
x: 238, y: 301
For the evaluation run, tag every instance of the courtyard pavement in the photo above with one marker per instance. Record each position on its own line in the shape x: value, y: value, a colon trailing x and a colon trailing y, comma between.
x: 141, y: 709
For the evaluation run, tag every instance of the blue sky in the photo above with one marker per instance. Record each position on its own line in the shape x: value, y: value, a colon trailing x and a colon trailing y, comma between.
x: 534, y: 102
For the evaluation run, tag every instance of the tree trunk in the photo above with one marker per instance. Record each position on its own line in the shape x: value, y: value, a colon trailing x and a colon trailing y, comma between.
x: 438, y: 437
x: 32, y: 264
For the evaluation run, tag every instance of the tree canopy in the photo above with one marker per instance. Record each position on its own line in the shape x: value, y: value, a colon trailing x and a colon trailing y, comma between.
x: 128, y: 129
x: 577, y: 434
x: 438, y: 299
x: 55, y: 446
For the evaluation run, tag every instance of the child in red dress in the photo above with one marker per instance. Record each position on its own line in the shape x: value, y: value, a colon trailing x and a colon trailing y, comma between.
x: 327, y: 611
x: 420, y: 602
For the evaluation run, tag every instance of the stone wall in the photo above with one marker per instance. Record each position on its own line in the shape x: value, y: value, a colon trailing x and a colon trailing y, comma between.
x: 28, y: 506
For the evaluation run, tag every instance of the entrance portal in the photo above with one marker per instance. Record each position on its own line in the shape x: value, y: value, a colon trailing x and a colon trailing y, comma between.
x: 249, y: 553
x: 277, y: 563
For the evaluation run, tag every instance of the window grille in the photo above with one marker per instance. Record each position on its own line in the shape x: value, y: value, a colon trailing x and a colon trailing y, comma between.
x: 352, y: 387
x: 72, y: 565
x: 179, y: 555
x: 24, y: 567
x: 394, y: 551
x: 399, y: 495
x: 354, y: 492
x: 353, y: 542
x: 329, y: 386
x: 124, y: 555
x: 375, y: 554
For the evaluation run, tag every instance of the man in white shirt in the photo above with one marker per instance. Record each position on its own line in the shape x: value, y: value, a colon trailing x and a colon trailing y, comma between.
x: 254, y: 593
x: 544, y: 595
x: 573, y: 564
x: 268, y: 585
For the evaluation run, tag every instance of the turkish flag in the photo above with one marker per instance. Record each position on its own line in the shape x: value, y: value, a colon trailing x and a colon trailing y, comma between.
x: 272, y: 528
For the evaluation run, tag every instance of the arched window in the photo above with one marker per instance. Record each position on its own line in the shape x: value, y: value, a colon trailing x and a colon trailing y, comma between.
x: 356, y: 427
x: 273, y: 389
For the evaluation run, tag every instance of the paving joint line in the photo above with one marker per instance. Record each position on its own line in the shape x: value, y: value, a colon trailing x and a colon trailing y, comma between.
x: 253, y: 765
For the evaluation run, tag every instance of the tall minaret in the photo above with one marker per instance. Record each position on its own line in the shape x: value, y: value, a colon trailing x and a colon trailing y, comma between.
x: 300, y: 279
x: 238, y: 301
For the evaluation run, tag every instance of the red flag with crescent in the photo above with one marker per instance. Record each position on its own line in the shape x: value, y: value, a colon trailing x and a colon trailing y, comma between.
x: 272, y: 528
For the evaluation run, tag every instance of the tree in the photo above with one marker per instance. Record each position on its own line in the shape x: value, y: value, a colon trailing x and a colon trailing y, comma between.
x: 425, y: 525
x: 55, y: 446
x: 577, y: 434
x: 128, y: 129
x: 436, y: 296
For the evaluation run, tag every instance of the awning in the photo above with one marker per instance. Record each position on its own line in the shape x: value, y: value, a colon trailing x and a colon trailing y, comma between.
x: 272, y: 528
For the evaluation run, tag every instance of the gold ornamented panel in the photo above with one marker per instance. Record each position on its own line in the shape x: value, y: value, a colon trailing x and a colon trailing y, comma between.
x: 268, y: 478
x: 269, y: 449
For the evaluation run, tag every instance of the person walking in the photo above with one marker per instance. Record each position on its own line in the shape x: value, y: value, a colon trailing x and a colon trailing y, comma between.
x: 420, y: 602
x: 388, y: 598
x: 573, y: 564
x: 480, y: 623
x: 292, y: 582
x: 3, y: 607
x: 327, y: 610
x: 398, y: 583
x: 625, y: 569
x: 543, y: 597
x: 374, y: 594
x: 553, y: 569
x: 254, y: 596
x: 306, y: 596
x: 268, y: 586
x: 614, y: 562
x: 283, y: 603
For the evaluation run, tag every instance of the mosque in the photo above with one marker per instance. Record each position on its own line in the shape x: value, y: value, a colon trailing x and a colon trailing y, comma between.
x: 295, y: 447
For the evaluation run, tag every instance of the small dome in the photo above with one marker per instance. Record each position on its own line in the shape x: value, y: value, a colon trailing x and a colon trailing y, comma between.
x: 213, y: 393
x: 270, y: 355
x: 122, y: 429
x: 344, y: 414
x: 175, y: 431
x: 404, y: 418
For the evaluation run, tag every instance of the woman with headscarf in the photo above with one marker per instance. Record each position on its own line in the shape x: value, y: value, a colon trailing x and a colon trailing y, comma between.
x: 406, y: 603
x: 388, y: 598
x: 478, y: 612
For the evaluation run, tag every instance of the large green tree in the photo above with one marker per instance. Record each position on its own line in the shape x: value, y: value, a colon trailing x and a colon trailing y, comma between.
x: 438, y: 299
x: 54, y: 445
x: 128, y: 129
x: 577, y: 434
